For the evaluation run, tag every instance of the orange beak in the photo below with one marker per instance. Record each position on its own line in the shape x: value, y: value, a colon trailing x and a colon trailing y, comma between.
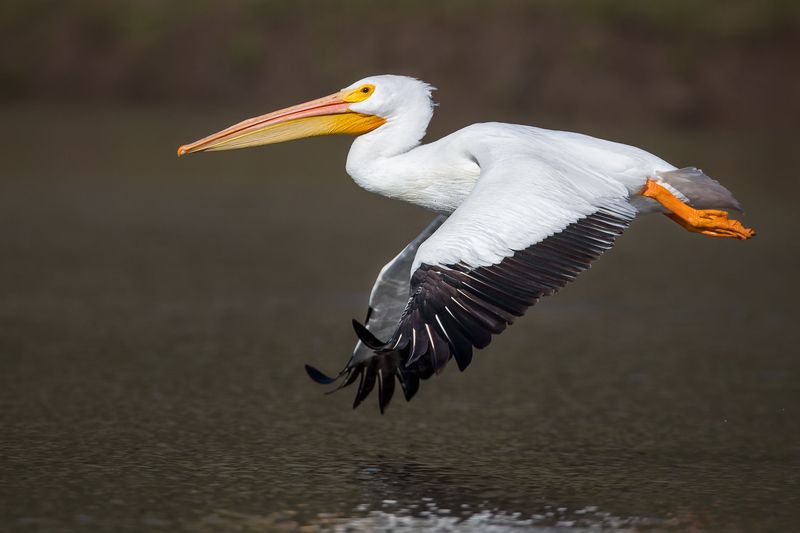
x: 329, y: 115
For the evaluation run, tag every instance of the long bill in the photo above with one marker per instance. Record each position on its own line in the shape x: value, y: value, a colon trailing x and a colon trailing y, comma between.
x: 329, y: 115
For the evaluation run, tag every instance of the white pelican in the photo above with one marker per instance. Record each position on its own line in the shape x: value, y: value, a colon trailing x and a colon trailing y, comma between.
x: 520, y: 212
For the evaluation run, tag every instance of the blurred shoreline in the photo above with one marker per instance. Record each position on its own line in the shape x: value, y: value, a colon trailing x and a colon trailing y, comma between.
x: 686, y: 64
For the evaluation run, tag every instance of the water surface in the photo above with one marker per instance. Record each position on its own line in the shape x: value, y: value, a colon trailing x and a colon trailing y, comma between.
x: 155, y: 315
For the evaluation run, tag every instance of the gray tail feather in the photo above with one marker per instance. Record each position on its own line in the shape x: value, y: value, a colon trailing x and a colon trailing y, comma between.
x: 702, y: 191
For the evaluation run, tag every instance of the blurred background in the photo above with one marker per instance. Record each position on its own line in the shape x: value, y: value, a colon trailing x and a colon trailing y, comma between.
x: 155, y: 313
x: 682, y: 63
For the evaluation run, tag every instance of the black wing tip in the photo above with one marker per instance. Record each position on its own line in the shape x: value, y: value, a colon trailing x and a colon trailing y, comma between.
x: 381, y: 371
x: 409, y: 381
x: 319, y: 377
x: 366, y: 336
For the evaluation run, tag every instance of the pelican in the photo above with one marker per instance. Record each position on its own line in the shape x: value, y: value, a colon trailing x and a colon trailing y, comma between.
x: 519, y: 212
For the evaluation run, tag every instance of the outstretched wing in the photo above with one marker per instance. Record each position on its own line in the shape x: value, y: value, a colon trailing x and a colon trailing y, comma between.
x: 386, y: 301
x: 525, y: 230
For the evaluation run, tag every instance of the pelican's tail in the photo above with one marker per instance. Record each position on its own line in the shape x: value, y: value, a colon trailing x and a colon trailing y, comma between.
x: 701, y: 191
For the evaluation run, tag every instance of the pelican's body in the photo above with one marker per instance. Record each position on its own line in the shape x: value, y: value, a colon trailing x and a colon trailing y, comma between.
x: 390, y: 161
x: 521, y: 211
x: 440, y: 175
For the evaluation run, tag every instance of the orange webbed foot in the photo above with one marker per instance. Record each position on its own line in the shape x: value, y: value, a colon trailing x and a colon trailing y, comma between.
x: 711, y: 222
x: 714, y: 223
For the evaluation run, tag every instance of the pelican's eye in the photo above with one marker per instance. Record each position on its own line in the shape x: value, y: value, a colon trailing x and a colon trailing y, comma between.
x: 360, y: 94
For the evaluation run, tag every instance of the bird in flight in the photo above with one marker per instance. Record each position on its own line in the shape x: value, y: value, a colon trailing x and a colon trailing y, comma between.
x: 520, y: 211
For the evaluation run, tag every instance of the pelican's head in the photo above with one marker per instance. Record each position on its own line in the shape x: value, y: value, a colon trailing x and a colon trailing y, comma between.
x: 357, y: 109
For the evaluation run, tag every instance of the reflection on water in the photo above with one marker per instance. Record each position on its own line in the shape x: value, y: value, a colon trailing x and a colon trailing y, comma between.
x: 392, y: 500
x: 427, y: 516
x: 155, y: 315
x: 459, y: 508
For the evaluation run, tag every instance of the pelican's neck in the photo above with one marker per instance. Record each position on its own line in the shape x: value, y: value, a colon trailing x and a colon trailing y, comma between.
x: 372, y: 161
x: 397, y: 136
x: 390, y: 161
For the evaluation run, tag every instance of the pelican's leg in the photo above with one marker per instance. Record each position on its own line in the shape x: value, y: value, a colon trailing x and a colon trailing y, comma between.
x: 712, y: 222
